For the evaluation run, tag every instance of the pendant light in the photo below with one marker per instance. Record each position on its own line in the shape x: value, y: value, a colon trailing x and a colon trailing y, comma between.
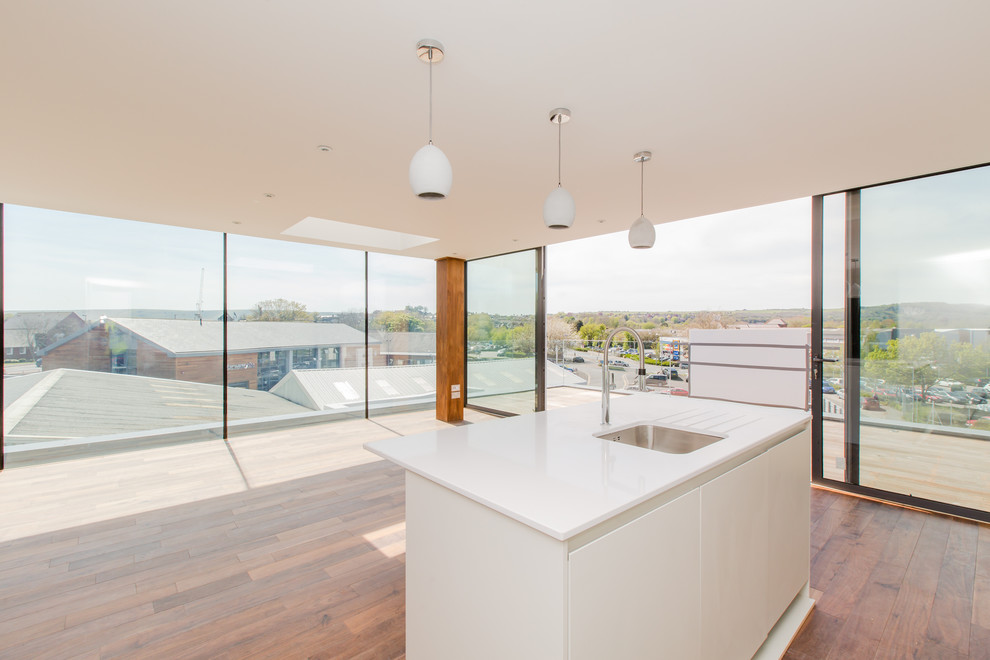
x: 430, y: 174
x: 642, y: 235
x: 558, y: 209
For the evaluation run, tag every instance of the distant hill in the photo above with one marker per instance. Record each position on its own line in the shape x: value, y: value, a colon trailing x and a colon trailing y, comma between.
x: 917, y: 315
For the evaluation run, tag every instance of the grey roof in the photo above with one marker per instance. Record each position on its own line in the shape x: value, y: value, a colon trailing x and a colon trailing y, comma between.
x: 35, y: 320
x: 190, y: 337
x: 408, y: 343
x: 20, y: 329
x: 331, y: 389
x: 67, y: 403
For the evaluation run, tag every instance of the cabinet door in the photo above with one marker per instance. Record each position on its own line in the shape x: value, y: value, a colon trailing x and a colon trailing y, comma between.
x: 634, y: 592
x: 734, y: 534
x: 789, y: 465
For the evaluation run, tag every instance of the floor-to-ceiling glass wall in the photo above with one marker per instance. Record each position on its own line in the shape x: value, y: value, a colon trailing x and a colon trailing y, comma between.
x: 121, y: 334
x: 746, y: 268
x: 502, y: 333
x: 833, y: 333
x: 916, y: 345
x: 296, y: 332
x: 111, y: 333
x: 403, y: 325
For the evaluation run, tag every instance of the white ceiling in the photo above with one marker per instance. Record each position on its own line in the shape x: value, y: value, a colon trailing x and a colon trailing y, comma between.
x: 189, y: 112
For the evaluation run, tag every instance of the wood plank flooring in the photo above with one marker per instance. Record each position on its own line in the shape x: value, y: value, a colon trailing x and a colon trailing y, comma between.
x: 894, y: 583
x: 311, y: 567
x: 298, y: 552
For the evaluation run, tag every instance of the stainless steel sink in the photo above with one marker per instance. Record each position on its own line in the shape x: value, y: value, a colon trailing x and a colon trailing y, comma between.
x: 661, y: 438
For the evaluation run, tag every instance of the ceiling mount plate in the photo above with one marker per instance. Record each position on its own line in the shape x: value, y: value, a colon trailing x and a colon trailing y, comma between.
x: 560, y: 115
x: 427, y: 47
x: 643, y: 156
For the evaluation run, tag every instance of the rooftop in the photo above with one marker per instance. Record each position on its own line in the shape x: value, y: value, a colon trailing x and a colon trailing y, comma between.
x: 190, y: 337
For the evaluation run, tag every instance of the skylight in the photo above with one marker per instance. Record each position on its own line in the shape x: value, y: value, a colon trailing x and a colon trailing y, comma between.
x: 356, y: 235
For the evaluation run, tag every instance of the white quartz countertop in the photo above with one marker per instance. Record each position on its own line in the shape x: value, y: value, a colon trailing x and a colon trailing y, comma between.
x: 548, y: 470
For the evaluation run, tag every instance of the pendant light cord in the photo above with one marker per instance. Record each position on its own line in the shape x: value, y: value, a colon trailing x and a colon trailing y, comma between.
x: 642, y: 167
x: 559, y: 129
x: 431, y: 95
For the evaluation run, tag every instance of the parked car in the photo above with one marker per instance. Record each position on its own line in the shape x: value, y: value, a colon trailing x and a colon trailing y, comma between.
x: 937, y: 397
x: 827, y: 389
x: 678, y: 391
x: 656, y: 379
x: 578, y: 358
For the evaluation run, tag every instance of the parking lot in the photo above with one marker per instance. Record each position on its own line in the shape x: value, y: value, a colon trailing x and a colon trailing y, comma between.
x: 623, y: 374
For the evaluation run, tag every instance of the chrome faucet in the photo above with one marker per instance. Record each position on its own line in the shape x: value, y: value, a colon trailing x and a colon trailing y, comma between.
x: 642, y: 368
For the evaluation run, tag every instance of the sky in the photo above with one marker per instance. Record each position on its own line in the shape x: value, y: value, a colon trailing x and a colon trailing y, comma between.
x: 926, y: 240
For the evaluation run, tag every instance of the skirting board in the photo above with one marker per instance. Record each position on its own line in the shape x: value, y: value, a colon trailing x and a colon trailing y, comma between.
x: 787, y: 627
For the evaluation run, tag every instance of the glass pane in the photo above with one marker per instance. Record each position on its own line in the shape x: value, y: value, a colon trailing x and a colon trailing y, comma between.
x: 402, y: 314
x: 833, y: 333
x: 111, y: 331
x: 501, y: 332
x: 744, y: 268
x: 925, y: 421
x: 296, y: 336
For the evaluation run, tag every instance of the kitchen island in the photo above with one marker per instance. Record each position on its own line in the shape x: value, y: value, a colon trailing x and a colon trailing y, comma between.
x: 530, y: 537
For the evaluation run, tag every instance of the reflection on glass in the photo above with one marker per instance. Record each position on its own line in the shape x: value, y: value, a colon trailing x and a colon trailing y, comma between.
x: 925, y: 342
x: 111, y: 333
x: 501, y: 332
x: 296, y: 335
x: 833, y: 309
x: 402, y: 319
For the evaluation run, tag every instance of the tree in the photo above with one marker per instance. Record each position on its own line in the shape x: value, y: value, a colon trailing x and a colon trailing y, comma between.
x: 708, y: 320
x: 279, y: 309
x: 522, y: 339
x: 559, y: 333
x: 398, y: 322
x: 592, y: 331
x: 479, y: 327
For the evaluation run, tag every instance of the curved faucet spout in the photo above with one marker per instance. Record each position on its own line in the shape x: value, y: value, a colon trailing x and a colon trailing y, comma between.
x: 642, y: 368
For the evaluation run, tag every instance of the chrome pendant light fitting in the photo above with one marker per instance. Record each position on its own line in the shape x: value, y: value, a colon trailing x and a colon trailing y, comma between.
x: 430, y: 174
x: 642, y: 234
x: 558, y: 209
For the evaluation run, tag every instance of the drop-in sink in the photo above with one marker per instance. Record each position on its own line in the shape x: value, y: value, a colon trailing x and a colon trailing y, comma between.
x: 661, y: 438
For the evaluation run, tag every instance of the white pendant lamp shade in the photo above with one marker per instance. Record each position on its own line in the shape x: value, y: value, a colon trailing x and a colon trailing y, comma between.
x: 642, y: 234
x: 430, y: 174
x: 558, y: 209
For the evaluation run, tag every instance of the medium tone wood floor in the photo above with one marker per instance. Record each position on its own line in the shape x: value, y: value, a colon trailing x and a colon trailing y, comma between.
x: 894, y: 583
x: 299, y: 553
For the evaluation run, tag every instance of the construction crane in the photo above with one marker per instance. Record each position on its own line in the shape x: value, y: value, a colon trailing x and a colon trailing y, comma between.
x: 199, y: 303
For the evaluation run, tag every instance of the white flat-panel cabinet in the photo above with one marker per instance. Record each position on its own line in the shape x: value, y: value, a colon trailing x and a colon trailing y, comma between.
x: 789, y: 467
x: 705, y: 575
x: 634, y: 592
x: 734, y: 539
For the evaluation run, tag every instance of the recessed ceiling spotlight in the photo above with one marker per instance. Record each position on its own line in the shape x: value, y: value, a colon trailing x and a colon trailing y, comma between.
x: 269, y: 195
x: 237, y: 222
x: 324, y: 147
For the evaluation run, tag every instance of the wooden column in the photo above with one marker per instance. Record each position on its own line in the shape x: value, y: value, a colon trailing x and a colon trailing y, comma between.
x: 451, y: 339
